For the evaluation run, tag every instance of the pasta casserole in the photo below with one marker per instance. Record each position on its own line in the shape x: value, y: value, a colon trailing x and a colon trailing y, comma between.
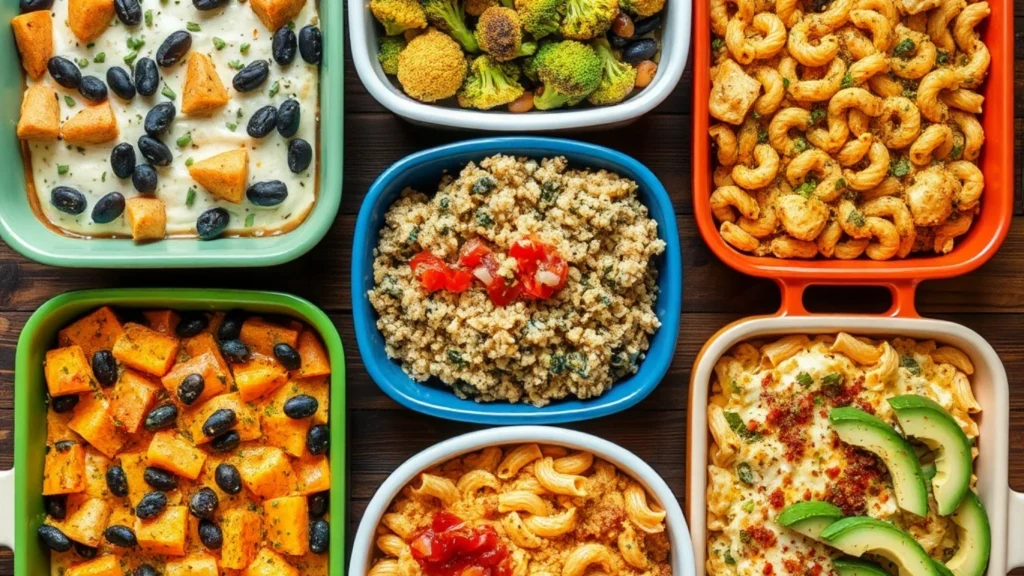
x: 846, y: 127
x: 527, y: 509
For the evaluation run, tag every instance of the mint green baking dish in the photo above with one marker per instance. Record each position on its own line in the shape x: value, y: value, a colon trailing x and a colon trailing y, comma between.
x: 22, y: 230
x: 40, y: 333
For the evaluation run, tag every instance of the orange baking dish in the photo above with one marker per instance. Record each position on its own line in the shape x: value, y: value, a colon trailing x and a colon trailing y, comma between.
x: 972, y: 250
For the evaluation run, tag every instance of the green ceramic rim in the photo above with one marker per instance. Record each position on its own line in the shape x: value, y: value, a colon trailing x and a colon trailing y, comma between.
x: 22, y: 230
x: 40, y: 333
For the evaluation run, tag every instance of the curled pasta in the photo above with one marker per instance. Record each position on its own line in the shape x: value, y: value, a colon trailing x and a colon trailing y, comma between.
x: 439, y: 487
x: 832, y: 139
x: 517, y: 458
x: 767, y: 168
x: 813, y: 90
x: 896, y: 210
x: 391, y: 544
x: 746, y: 49
x: 476, y: 480
x: 552, y: 526
x: 954, y: 357
x: 788, y: 247
x: 767, y: 222
x: 974, y: 134
x: 801, y: 47
x: 972, y: 183
x: 872, y: 174
x: 928, y: 91
x: 828, y: 239
x: 522, y: 501
x: 938, y: 23
x: 782, y: 123
x: 575, y: 463
x: 877, y: 24
x: 966, y: 22
x: 865, y: 68
x: 802, y: 218
x: 640, y: 513
x: 386, y: 567
x: 631, y: 549
x: 962, y: 99
x: 585, y: 556
x: 518, y: 533
x: 820, y: 163
x: 857, y: 350
x: 726, y: 198
x: 963, y: 395
x: 725, y: 140
x: 774, y: 90
x: 738, y: 238
x: 556, y: 482
x: 923, y: 59
x: 900, y: 122
x: 936, y: 140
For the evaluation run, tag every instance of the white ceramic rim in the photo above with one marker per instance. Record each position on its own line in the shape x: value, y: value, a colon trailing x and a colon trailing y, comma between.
x: 7, y: 519
x: 363, y: 34
x: 364, y: 547
x: 1005, y: 508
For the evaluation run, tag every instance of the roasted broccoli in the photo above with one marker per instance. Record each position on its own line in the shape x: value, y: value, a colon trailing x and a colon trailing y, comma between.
x: 498, y: 32
x: 432, y: 66
x: 569, y: 70
x: 448, y: 16
x: 390, y: 47
x: 477, y: 7
x: 586, y: 19
x: 397, y: 16
x: 642, y: 8
x: 617, y: 80
x: 490, y: 83
x: 540, y: 17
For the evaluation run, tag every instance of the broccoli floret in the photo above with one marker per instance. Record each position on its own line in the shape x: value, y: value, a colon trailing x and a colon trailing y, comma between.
x: 448, y: 16
x: 586, y: 19
x: 390, y: 48
x: 499, y: 33
x: 569, y: 70
x: 617, y: 80
x: 432, y: 67
x: 642, y: 8
x: 397, y: 16
x: 490, y: 83
x: 477, y: 7
x: 540, y: 17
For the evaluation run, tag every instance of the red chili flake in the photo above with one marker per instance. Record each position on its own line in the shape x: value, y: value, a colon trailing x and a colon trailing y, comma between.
x: 792, y: 566
x: 768, y: 569
x: 777, y: 499
x: 833, y: 472
x: 763, y: 536
x: 815, y: 570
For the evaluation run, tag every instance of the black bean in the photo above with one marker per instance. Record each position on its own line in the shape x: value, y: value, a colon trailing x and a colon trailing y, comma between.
x: 219, y: 422
x: 68, y: 200
x: 287, y: 356
x: 262, y: 122
x: 318, y: 504
x: 159, y: 118
x: 204, y: 503
x: 34, y: 5
x: 85, y: 551
x: 231, y: 327
x: 319, y: 536
x: 642, y: 49
x: 122, y: 160
x: 267, y: 193
x: 160, y: 479
x: 56, y: 506
x: 121, y: 536
x: 145, y: 570
x: 618, y: 41
x: 117, y: 481
x: 151, y: 505
x: 64, y: 72
x: 288, y: 116
x: 646, y: 25
x: 191, y: 324
x: 120, y: 83
x: 107, y: 209
x: 144, y: 178
x: 210, y: 535
x: 54, y: 539
x: 163, y: 416
x: 92, y: 89
x: 311, y: 44
x: 62, y: 404
x: 235, y: 350
x: 208, y: 4
x: 251, y: 77
x: 301, y: 406
x: 212, y: 223
x: 300, y: 155
x: 226, y: 442
x: 64, y: 445
x: 128, y: 11
x: 104, y: 366
x: 173, y: 48
x: 147, y: 77
x: 318, y: 439
x: 284, y: 46
x: 191, y: 388
x: 155, y: 151
x: 228, y: 479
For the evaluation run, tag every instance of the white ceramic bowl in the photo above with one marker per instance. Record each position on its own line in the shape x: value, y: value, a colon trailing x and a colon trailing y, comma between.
x: 364, y: 548
x: 1005, y: 507
x: 364, y: 32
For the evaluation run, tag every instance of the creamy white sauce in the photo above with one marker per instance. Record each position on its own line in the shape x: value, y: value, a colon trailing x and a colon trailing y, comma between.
x: 89, y: 169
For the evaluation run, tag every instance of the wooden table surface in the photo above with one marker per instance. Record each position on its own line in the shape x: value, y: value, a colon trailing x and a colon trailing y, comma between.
x: 382, y: 434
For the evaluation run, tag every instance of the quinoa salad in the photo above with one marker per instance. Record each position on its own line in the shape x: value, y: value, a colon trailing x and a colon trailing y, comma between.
x: 520, y: 280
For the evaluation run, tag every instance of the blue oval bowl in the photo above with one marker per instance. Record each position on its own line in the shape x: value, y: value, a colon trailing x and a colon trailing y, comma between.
x: 422, y: 171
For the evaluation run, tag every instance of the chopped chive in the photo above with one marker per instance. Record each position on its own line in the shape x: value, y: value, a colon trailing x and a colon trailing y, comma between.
x: 190, y: 199
x: 149, y: 17
x: 90, y: 45
x: 192, y: 27
x: 103, y: 177
x: 274, y: 89
x: 100, y: 57
x: 184, y: 140
x: 62, y: 169
x: 218, y: 43
x: 130, y: 57
x: 250, y: 220
x: 244, y: 47
x: 135, y: 43
x: 69, y: 101
x: 168, y: 92
x: 82, y: 62
x: 189, y: 161
x: 236, y: 65
x: 291, y: 25
x: 231, y: 126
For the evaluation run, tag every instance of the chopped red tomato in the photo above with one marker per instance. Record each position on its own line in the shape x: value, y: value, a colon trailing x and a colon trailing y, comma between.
x: 458, y: 280
x: 541, y: 270
x: 451, y: 548
x: 472, y: 252
x: 431, y: 271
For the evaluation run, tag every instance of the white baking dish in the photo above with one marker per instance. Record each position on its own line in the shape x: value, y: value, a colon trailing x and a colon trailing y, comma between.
x: 1005, y: 507
x: 364, y: 548
x: 364, y: 33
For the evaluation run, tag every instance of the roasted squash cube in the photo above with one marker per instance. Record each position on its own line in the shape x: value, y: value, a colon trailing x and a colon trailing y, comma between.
x: 106, y: 565
x: 146, y: 349
x: 261, y: 336
x: 260, y: 375
x: 93, y: 332
x: 312, y: 564
x: 276, y: 13
x: 315, y: 361
x: 270, y: 563
x: 198, y: 564
x: 68, y: 371
x: 89, y: 18
x: 96, y: 466
x: 147, y: 218
x: 163, y: 321
x: 224, y: 175
x: 242, y: 529
x: 175, y: 454
x: 202, y: 91
x: 313, y: 474
x: 247, y: 426
x: 164, y: 534
x: 64, y: 469
x: 204, y: 343
x: 57, y: 427
x: 33, y: 33
x: 86, y: 519
x: 92, y: 421
x: 133, y: 396
x: 92, y: 125
x: 267, y: 473
x: 286, y: 520
x: 215, y: 381
x: 134, y: 465
x: 40, y: 114
x: 285, y: 433
x: 318, y: 388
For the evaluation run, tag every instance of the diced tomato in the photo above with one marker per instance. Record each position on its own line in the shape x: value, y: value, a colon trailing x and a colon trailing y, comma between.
x: 502, y: 294
x: 431, y: 270
x: 527, y: 249
x: 458, y: 280
x: 472, y: 252
x: 451, y: 548
x: 541, y: 270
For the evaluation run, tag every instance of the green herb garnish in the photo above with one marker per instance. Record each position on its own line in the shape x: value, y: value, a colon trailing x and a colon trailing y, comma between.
x: 100, y: 57
x: 62, y: 169
x: 184, y: 140
x: 250, y: 220
x: 190, y: 198
x: 745, y: 473
x: 168, y: 92
x: 804, y: 379
x: 218, y: 43
x: 907, y: 361
x: 192, y: 27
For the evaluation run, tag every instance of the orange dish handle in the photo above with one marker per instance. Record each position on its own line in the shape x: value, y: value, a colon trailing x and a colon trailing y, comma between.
x: 902, y: 295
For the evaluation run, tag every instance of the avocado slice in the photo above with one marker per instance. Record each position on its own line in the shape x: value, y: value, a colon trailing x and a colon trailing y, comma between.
x: 975, y: 536
x: 858, y: 428
x: 927, y: 421
x: 851, y: 567
x: 809, y: 518
x: 859, y: 535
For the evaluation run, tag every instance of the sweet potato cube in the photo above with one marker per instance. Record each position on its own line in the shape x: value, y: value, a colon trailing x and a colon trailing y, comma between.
x: 261, y: 336
x: 57, y: 427
x: 315, y: 361
x: 134, y: 465
x: 202, y: 91
x: 40, y: 114
x: 92, y: 421
x: 96, y: 466
x: 276, y: 13
x: 92, y: 125
x: 133, y: 396
x: 147, y: 218
x: 163, y: 321
x: 204, y: 343
x: 247, y: 426
x: 199, y: 564
x: 318, y: 387
x: 164, y: 534
x: 259, y: 376
x: 33, y: 33
x: 267, y: 473
x: 175, y: 454
x: 270, y: 563
x: 224, y: 175
x: 243, y: 530
x: 64, y: 469
x: 68, y: 371
x: 89, y: 18
x: 215, y: 381
x: 146, y: 349
x: 280, y: 430
x: 311, y: 564
x: 86, y: 520
x: 94, y: 332
x: 286, y: 520
x: 106, y: 565
x: 313, y: 474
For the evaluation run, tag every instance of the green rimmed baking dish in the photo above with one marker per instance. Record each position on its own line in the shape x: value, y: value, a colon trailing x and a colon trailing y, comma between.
x: 40, y: 333
x: 24, y: 232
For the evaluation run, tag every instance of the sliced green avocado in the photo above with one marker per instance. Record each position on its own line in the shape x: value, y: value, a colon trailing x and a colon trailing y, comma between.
x: 809, y: 518
x: 975, y: 538
x: 927, y: 421
x: 850, y: 567
x: 943, y: 571
x: 859, y: 535
x: 858, y: 428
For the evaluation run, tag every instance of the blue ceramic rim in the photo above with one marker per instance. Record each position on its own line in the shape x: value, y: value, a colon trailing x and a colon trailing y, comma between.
x: 658, y: 357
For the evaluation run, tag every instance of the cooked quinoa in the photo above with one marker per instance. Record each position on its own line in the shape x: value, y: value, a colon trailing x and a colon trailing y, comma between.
x: 579, y: 342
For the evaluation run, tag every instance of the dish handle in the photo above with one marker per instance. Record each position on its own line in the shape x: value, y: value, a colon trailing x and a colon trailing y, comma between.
x: 1015, y: 527
x: 7, y: 519
x: 902, y: 295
